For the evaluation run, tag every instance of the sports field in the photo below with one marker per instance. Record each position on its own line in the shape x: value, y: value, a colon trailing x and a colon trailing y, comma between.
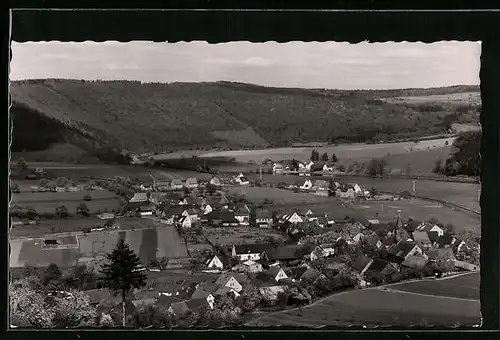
x: 377, y: 307
x: 278, y: 196
x: 149, y: 244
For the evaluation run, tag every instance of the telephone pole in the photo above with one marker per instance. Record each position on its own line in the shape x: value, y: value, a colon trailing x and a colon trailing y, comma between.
x: 414, y: 186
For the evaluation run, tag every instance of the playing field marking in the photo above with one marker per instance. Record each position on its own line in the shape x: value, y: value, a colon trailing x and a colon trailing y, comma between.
x: 393, y: 207
x: 432, y: 206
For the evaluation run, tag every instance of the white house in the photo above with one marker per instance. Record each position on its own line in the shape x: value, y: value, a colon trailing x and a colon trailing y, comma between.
x: 215, y: 263
x: 309, y: 165
x: 242, y: 180
x: 303, y: 184
x: 321, y: 251
x: 263, y: 218
x: 293, y: 218
x: 176, y: 184
x: 277, y: 168
x: 215, y: 181
x: 60, y: 189
x: 191, y: 183
x: 192, y: 213
x: 206, y: 209
x: 229, y: 280
x: 250, y: 266
x: 277, y: 273
x: 185, y: 222
x: 327, y: 167
x: 244, y: 252
x: 426, y: 227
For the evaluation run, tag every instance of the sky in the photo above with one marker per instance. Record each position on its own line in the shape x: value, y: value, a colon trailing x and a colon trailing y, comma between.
x: 295, y: 64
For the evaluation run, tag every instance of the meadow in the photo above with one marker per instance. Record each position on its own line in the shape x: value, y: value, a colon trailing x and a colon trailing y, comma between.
x: 95, y: 206
x: 464, y: 287
x: 343, y: 151
x: 457, y: 98
x: 463, y: 194
x: 279, y: 196
x: 376, y: 307
x: 240, y: 235
x: 25, y: 197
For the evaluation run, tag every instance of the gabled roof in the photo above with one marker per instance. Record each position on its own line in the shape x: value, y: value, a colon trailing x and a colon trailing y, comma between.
x: 433, y: 236
x: 402, y: 248
x: 166, y: 301
x: 176, y: 181
x: 421, y: 237
x: 286, y: 253
x: 415, y: 262
x: 300, y: 182
x: 263, y: 214
x: 441, y: 254
x: 322, y: 220
x: 378, y: 266
x: 224, y: 215
x: 317, y: 166
x: 321, y: 183
x: 191, y: 211
x: 361, y: 262
x: 445, y: 240
x: 191, y: 180
x: 242, y: 212
x: 298, y: 272
x: 255, y: 248
x: 204, y: 290
x: 139, y: 197
x: 372, y: 239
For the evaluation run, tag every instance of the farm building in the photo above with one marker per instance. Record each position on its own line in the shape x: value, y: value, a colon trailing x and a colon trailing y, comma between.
x: 362, y: 263
x: 322, y: 251
x: 191, y: 183
x: 139, y: 197
x: 415, y: 262
x: 462, y: 265
x: 293, y: 218
x: 278, y: 168
x: 401, y: 250
x: 216, y: 182
x: 303, y: 184
x: 176, y: 184
x: 249, y: 266
x: 263, y: 219
x: 284, y: 254
x: 243, y: 216
x: 244, y: 252
x: 224, y: 218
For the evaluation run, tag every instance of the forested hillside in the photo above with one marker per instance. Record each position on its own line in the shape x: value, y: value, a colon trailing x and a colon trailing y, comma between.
x: 129, y: 115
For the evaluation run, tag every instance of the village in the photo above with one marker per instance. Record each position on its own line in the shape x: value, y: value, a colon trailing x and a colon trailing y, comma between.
x: 280, y: 258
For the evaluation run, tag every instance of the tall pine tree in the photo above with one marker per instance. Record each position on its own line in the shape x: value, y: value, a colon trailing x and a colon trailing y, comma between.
x: 123, y: 272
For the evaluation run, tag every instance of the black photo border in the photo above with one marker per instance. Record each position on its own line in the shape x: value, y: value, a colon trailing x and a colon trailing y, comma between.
x: 349, y: 21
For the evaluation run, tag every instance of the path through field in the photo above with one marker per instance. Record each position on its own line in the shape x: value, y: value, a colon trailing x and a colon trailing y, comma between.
x: 385, y: 305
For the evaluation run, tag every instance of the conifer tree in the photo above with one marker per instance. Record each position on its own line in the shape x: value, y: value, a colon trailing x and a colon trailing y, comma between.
x: 123, y: 272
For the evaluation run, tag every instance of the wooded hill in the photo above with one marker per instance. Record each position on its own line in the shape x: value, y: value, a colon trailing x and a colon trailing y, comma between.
x: 154, y: 117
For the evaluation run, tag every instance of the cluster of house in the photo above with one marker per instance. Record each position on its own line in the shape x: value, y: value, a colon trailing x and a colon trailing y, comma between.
x: 271, y: 269
x: 302, y: 168
x: 322, y: 187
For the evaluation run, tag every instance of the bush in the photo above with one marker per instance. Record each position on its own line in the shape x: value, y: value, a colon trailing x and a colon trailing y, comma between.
x: 87, y: 197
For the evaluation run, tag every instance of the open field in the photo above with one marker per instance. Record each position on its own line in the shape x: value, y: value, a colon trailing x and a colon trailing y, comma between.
x: 149, y: 244
x: 30, y: 197
x: 463, y: 194
x: 75, y: 224
x: 376, y: 307
x: 344, y: 151
x: 95, y: 206
x: 465, y: 287
x: 278, y: 196
x: 76, y: 171
x: 421, y: 210
x: 240, y: 235
x: 458, y: 98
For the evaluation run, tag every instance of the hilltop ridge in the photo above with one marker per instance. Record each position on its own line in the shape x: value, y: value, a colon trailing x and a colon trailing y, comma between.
x: 103, y: 117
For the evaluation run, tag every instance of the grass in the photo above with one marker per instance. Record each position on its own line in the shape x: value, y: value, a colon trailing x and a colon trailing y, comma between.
x: 465, y: 287
x: 375, y: 307
x: 463, y: 97
x: 464, y: 194
x: 95, y: 206
x: 345, y: 152
x: 24, y: 197
x: 240, y: 235
x: 278, y: 196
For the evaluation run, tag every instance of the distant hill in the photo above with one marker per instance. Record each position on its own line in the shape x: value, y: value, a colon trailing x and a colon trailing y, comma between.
x: 103, y: 117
